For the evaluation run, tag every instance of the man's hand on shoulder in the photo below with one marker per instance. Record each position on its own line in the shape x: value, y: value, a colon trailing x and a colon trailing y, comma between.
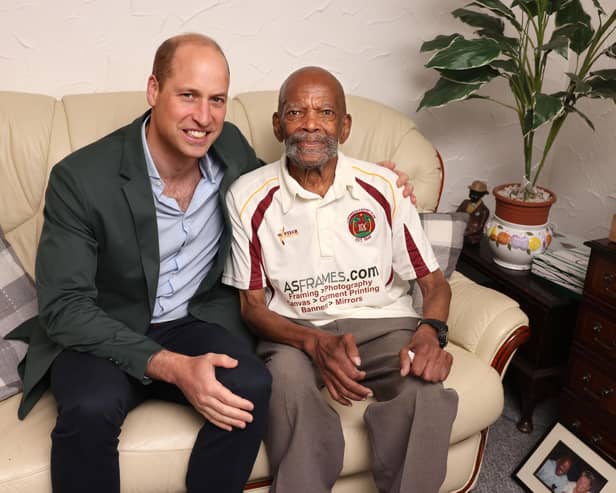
x: 430, y: 363
x: 337, y: 359
x: 402, y: 182
x: 196, y: 378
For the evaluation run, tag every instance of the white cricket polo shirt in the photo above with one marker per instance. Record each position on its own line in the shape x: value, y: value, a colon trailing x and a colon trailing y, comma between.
x: 348, y: 254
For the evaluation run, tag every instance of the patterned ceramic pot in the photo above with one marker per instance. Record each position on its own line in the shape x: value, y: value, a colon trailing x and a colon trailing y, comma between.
x: 515, y: 245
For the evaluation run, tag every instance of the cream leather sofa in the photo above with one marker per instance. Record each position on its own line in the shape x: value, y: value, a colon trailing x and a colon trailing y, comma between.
x: 485, y: 327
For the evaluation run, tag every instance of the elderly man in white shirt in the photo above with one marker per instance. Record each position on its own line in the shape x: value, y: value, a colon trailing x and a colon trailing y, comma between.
x: 323, y: 249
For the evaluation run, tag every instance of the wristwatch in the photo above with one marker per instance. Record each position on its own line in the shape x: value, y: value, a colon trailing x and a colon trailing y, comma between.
x: 441, y: 329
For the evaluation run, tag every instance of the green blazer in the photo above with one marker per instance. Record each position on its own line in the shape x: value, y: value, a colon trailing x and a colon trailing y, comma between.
x: 98, y: 261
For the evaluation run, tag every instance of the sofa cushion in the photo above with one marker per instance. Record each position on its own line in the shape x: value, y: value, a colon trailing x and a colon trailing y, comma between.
x: 17, y: 304
x: 481, y: 327
x: 33, y: 137
x: 157, y: 437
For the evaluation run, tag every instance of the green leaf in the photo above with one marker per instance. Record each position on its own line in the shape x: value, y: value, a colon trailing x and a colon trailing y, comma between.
x: 499, y: 8
x: 559, y: 44
x: 439, y: 42
x: 528, y: 6
x: 608, y: 74
x: 600, y: 10
x: 611, y: 51
x: 505, y: 66
x: 479, y: 96
x: 601, y: 88
x: 578, y: 34
x: 581, y: 32
x: 546, y: 109
x: 471, y: 76
x: 556, y: 5
x: 446, y: 91
x: 464, y: 54
x: 505, y: 43
x: 582, y: 115
x: 477, y: 19
x: 580, y: 85
x: 533, y: 7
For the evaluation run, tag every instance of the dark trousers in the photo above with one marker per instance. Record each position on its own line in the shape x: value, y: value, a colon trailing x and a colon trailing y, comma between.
x: 94, y: 396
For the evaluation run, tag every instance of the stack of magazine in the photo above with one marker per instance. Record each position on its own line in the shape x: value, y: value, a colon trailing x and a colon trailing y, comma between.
x: 564, y: 263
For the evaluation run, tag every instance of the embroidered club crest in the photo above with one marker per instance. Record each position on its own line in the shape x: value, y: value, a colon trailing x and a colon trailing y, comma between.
x: 361, y: 224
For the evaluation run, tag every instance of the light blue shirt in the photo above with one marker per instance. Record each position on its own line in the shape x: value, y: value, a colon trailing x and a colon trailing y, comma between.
x: 547, y: 474
x: 187, y: 241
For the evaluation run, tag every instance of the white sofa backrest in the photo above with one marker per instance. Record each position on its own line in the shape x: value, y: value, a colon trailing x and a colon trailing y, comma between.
x: 33, y: 136
x: 37, y: 131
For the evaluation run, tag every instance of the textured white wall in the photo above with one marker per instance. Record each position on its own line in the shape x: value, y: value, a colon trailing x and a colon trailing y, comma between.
x: 70, y: 46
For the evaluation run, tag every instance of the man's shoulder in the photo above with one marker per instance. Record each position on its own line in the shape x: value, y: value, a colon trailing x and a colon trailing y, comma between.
x: 235, y: 150
x: 370, y: 171
x: 230, y: 138
x: 230, y: 132
x: 107, y: 149
x: 262, y: 178
x: 372, y: 174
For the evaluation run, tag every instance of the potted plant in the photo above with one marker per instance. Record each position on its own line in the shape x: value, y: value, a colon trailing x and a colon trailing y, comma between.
x: 517, y: 43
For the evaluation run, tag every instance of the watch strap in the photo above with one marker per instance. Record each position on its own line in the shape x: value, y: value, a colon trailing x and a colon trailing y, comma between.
x: 441, y: 328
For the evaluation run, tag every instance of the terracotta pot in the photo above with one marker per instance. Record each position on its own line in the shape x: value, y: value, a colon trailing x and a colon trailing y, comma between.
x: 520, y: 212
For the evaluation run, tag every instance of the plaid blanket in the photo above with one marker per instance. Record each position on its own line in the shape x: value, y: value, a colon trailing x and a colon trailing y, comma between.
x: 17, y: 304
x: 445, y: 231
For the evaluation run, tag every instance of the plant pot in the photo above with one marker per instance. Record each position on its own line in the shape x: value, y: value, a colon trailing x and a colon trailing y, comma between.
x: 518, y: 230
x: 520, y: 212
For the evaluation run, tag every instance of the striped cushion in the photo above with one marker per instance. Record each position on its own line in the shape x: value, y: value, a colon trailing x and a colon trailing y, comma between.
x: 17, y: 304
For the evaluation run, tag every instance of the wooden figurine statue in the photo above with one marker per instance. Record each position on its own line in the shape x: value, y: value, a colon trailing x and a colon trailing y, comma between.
x: 477, y: 210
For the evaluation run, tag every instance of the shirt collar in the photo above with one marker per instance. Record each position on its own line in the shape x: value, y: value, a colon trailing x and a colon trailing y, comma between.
x: 290, y: 189
x: 205, y: 163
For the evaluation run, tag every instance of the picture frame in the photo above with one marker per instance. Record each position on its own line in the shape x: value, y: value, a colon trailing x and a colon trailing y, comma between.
x: 560, y: 461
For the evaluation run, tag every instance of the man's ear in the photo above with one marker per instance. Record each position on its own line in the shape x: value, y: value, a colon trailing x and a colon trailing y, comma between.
x: 152, y: 90
x: 346, y: 128
x: 276, y: 125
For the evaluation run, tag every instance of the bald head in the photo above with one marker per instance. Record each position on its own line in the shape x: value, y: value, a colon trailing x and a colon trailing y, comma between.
x: 163, y: 60
x: 309, y: 76
x: 311, y: 119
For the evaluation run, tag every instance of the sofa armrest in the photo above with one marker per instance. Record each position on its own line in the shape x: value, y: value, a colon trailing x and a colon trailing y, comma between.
x: 485, y: 322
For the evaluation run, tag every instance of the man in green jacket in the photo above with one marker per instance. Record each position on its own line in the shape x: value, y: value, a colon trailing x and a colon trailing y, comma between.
x: 128, y: 277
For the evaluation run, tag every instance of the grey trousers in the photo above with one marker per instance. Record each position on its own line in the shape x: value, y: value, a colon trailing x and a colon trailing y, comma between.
x: 409, y: 426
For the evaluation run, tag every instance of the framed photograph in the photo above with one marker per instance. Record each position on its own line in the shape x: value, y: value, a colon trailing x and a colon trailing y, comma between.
x: 562, y: 463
